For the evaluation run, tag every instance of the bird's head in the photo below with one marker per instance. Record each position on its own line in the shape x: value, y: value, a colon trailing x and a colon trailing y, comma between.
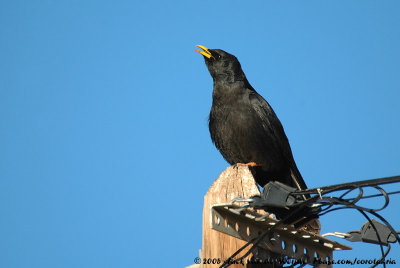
x: 222, y: 65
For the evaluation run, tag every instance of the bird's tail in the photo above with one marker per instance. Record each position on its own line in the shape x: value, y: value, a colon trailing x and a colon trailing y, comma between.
x: 290, y: 177
x: 296, y: 178
x: 313, y: 225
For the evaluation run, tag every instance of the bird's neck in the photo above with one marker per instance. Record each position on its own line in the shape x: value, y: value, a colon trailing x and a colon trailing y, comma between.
x: 229, y: 76
x: 229, y: 92
x: 229, y: 84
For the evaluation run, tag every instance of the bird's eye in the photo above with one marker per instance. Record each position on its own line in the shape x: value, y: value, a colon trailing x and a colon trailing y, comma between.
x: 218, y: 57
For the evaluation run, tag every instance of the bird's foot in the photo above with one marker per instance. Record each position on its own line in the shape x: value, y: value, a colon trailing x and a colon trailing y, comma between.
x: 252, y: 164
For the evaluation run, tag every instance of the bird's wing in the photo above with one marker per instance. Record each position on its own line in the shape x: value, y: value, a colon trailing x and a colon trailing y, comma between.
x: 276, y: 134
x: 270, y: 122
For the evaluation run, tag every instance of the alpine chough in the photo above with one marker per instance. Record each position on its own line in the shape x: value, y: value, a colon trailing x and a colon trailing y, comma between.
x: 244, y: 127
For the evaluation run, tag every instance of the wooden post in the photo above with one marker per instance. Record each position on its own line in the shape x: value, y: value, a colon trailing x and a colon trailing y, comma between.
x: 235, y: 181
x: 299, y: 244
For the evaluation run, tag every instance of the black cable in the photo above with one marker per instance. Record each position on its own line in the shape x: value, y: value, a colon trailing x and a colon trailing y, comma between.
x: 326, y: 204
x: 343, y: 195
x: 229, y: 260
x: 347, y: 202
x: 293, y: 265
x: 376, y: 195
x: 362, y: 211
x: 377, y: 234
x: 396, y: 234
x: 383, y: 257
x: 373, y: 212
x: 336, y: 187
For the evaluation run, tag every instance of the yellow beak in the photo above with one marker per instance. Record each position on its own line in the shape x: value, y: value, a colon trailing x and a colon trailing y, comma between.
x: 205, y: 53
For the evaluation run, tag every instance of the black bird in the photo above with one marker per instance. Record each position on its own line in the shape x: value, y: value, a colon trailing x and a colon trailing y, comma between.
x: 244, y: 127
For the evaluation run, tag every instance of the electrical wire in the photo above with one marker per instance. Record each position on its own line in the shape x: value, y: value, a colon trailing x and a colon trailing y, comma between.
x: 328, y: 204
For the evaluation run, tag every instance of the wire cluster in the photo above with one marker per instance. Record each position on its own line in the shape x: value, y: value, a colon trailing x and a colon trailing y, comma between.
x: 333, y: 198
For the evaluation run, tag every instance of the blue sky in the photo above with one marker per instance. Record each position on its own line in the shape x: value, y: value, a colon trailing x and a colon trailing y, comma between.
x: 105, y: 151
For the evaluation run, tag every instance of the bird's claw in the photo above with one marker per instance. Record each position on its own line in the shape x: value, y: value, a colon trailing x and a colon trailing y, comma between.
x: 252, y: 164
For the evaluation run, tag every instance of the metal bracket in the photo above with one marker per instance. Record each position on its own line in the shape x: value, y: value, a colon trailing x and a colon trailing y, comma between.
x: 246, y: 224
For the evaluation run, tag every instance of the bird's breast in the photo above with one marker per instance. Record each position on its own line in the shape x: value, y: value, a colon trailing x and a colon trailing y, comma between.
x: 232, y: 130
x: 238, y: 133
